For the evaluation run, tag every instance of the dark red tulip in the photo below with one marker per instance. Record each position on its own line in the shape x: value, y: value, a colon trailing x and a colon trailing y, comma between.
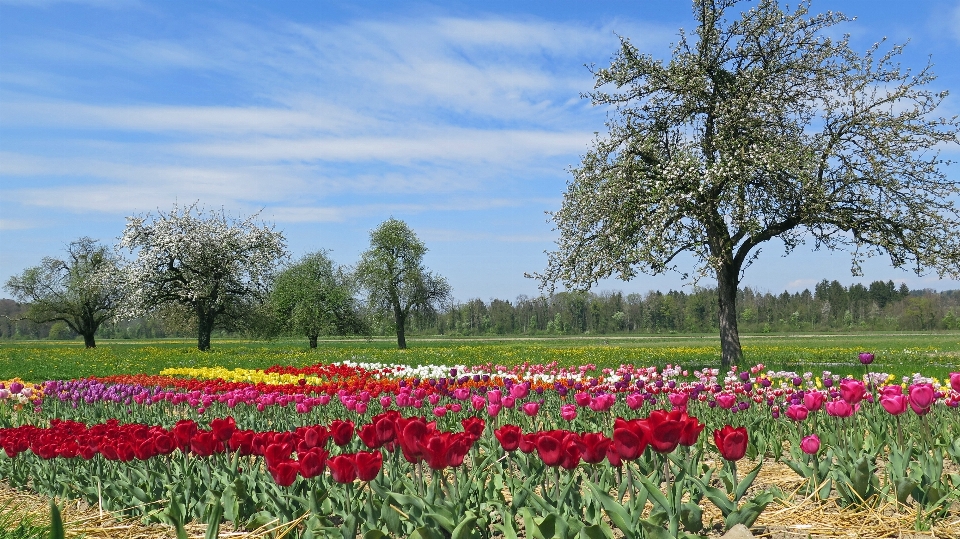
x: 368, y: 435
x: 368, y: 464
x: 342, y: 431
x: 203, y: 444
x: 312, y: 462
x: 509, y: 437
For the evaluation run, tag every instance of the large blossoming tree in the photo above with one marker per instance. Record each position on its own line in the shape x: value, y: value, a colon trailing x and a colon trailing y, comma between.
x: 83, y: 290
x: 760, y: 126
x: 210, y: 266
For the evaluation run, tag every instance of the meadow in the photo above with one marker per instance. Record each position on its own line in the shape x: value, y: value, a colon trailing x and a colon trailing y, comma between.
x: 901, y: 354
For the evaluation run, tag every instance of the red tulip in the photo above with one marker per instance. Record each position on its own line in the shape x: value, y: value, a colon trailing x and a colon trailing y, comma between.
x: 594, y: 446
x: 473, y: 425
x: 368, y: 464
x: 343, y: 468
x: 285, y: 473
x: 549, y: 449
x: 277, y: 453
x: 665, y: 429
x: 164, y: 443
x: 528, y: 442
x: 691, y: 431
x: 368, y: 435
x: 203, y: 444
x: 731, y: 442
x: 627, y: 444
x: 223, y: 429
x: 570, y: 451
x: 509, y: 437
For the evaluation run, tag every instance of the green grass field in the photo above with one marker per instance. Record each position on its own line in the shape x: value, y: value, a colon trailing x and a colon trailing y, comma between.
x: 934, y: 354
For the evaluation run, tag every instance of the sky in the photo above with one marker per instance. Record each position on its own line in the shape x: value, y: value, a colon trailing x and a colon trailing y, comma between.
x: 461, y: 118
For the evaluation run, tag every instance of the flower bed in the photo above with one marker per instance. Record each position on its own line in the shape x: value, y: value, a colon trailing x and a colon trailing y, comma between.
x: 482, y: 450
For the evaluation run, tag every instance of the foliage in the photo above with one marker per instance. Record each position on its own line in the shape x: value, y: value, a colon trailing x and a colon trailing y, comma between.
x: 392, y: 271
x: 761, y: 127
x: 211, y: 266
x: 313, y: 298
x: 83, y: 291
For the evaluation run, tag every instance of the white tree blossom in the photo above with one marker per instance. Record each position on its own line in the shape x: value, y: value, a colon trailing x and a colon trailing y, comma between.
x: 210, y: 265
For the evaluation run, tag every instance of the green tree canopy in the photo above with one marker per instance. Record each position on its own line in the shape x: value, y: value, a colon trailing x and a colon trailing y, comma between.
x: 313, y: 297
x: 213, y: 268
x: 83, y: 291
x: 760, y: 126
x: 393, y: 274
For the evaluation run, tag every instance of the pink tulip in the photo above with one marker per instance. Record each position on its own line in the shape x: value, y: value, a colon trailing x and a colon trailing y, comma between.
x: 583, y: 399
x: 455, y: 407
x: 519, y: 391
x: 726, y: 400
x: 461, y: 393
x: 493, y: 396
x: 891, y: 391
x: 324, y: 399
x: 922, y: 396
x: 810, y: 444
x: 679, y: 400
x: 852, y: 390
x: 840, y: 408
x: 361, y: 407
x: 895, y: 404
x: 797, y: 412
x: 634, y: 401
x: 508, y: 402
x: 478, y: 402
x: 531, y: 408
x: 434, y: 399
x: 440, y: 411
x: 493, y: 410
x: 955, y: 381
x: 385, y: 401
x: 813, y: 400
x: 603, y: 403
x: 568, y: 412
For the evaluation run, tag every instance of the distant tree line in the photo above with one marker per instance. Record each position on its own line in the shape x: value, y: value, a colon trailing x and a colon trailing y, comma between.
x: 830, y: 307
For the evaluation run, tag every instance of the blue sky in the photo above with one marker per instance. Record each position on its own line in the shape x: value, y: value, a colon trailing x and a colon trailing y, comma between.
x: 461, y: 118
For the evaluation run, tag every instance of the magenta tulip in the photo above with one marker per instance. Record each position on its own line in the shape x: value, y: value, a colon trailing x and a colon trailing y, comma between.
x: 852, y: 391
x: 810, y: 444
x: 895, y: 404
x: 840, y: 408
x: 797, y: 412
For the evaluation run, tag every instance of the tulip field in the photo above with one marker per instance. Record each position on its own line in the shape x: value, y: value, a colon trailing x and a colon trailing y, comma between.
x: 361, y: 442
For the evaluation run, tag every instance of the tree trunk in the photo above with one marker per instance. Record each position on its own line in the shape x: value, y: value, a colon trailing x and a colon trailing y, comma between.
x: 89, y: 341
x: 313, y: 340
x: 730, y: 351
x: 401, y: 320
x: 204, y: 329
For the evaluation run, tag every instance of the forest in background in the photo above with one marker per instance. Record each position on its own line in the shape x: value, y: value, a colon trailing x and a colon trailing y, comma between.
x: 829, y: 307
